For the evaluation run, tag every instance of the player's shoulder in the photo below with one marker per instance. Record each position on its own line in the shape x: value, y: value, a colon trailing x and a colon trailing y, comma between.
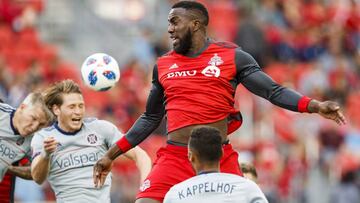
x: 90, y: 120
x: 231, y: 176
x: 225, y: 44
x: 186, y: 183
x: 6, y: 108
x: 45, y: 131
x: 97, y: 124
x: 169, y: 53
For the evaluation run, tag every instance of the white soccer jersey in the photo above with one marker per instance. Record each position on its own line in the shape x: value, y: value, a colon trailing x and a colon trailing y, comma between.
x: 71, y: 165
x: 13, y: 146
x: 215, y: 188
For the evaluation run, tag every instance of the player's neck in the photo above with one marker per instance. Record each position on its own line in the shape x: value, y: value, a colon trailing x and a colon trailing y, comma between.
x: 207, y: 168
x: 199, y: 44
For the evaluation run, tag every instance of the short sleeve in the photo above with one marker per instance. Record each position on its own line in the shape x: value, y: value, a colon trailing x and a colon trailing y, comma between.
x: 110, y: 132
x: 37, y: 145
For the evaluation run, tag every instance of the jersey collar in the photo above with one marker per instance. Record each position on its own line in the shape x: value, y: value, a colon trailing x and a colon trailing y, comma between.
x: 56, y: 125
x: 16, y: 132
x: 206, y: 172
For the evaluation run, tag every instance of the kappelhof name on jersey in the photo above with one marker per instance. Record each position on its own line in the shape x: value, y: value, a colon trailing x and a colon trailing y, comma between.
x: 212, y: 70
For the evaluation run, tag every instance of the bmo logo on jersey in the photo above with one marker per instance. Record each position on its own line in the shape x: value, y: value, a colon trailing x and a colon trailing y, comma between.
x: 212, y: 70
x: 181, y: 73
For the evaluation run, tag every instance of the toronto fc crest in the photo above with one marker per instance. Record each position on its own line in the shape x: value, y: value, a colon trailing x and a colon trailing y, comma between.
x: 216, y: 60
x: 212, y: 69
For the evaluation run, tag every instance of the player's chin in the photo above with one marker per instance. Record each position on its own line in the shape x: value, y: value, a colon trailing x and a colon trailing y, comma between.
x: 76, y: 125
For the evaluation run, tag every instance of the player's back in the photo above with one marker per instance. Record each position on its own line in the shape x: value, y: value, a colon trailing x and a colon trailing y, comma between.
x: 71, y: 165
x: 215, y: 188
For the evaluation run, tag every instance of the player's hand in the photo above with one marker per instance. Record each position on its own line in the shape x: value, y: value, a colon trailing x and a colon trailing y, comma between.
x: 331, y: 110
x: 101, y: 170
x: 50, y: 145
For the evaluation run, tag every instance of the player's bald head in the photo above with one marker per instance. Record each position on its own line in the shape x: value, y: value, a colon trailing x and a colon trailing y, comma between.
x: 196, y: 10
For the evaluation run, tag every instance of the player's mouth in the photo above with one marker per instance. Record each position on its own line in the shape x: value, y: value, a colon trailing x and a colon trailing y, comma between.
x: 76, y: 121
x: 174, y: 40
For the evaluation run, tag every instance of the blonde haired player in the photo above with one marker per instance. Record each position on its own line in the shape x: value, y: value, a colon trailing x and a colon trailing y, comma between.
x: 17, y: 126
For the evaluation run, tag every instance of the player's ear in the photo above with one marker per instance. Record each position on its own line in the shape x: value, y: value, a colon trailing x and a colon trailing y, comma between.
x: 196, y: 25
x: 22, y: 106
x: 56, y: 110
x: 190, y: 156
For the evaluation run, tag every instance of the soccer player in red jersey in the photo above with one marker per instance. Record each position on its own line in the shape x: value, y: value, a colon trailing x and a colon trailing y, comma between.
x: 195, y: 85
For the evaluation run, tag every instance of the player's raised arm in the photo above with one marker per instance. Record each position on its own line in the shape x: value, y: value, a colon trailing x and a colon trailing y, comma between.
x: 259, y: 83
x: 142, y: 160
x: 142, y: 128
x: 40, y: 165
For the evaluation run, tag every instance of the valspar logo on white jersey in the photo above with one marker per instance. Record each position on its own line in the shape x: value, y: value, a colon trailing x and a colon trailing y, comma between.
x: 184, y: 73
x: 212, y: 70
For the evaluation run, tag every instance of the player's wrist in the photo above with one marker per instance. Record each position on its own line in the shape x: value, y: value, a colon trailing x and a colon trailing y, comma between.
x: 45, y: 155
x: 313, y: 106
x: 113, y: 153
x: 123, y: 145
x: 303, y: 104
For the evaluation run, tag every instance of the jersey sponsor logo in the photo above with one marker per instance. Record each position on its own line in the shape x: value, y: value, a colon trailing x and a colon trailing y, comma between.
x: 6, y: 151
x: 181, y: 73
x: 92, y: 139
x: 145, y: 185
x: 206, y: 187
x: 174, y: 66
x: 211, y: 71
x: 77, y: 160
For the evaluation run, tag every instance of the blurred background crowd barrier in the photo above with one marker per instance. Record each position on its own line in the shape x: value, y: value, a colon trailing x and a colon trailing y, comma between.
x: 310, y: 45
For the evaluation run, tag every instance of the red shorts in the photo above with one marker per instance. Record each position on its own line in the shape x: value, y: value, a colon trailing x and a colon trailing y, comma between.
x: 7, y: 189
x: 172, y: 166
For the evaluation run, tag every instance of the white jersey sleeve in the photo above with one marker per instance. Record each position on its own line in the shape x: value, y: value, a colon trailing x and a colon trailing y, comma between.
x: 110, y: 132
x: 215, y: 188
x: 37, y: 144
x: 13, y: 146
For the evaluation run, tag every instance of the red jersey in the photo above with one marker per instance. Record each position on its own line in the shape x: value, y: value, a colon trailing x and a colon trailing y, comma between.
x: 198, y: 89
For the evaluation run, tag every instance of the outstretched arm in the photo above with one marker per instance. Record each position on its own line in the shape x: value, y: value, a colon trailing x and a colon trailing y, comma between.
x: 20, y: 171
x: 259, y: 83
x: 142, y: 128
x: 142, y: 160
